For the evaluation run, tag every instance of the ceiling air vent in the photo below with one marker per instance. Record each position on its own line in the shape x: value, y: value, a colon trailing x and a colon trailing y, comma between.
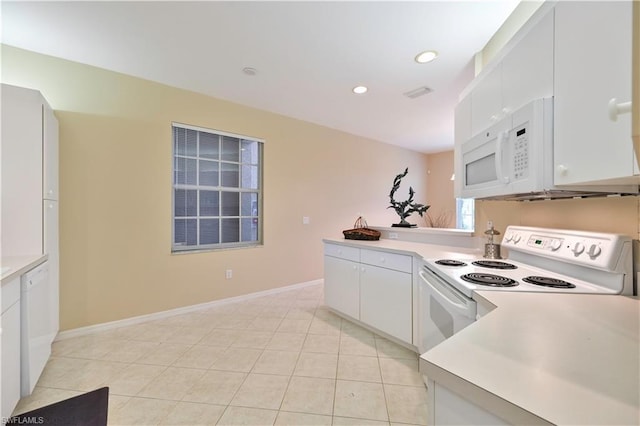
x: 415, y: 93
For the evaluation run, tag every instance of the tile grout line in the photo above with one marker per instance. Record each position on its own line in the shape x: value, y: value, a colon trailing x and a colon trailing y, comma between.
x: 296, y: 306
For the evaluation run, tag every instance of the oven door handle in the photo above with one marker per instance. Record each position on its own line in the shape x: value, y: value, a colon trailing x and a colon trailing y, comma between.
x: 460, y: 305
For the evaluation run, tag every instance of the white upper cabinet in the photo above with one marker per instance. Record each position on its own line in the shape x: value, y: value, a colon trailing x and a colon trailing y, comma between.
x: 580, y: 53
x: 523, y: 73
x: 527, y: 71
x: 21, y: 171
x: 592, y: 67
x: 50, y: 147
x: 29, y: 169
x: 486, y: 100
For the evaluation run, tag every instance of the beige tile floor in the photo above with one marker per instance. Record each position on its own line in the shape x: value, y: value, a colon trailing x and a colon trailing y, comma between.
x: 281, y: 359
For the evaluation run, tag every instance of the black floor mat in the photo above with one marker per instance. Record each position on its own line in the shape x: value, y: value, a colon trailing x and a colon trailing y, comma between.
x: 89, y: 409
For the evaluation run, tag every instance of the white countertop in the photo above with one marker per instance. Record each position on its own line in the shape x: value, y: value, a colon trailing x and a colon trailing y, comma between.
x: 425, y: 251
x: 540, y: 357
x: 14, y: 266
x: 426, y: 230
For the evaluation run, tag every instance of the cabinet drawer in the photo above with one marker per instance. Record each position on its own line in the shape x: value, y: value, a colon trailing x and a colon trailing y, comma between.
x: 397, y: 262
x: 10, y: 293
x: 342, y: 252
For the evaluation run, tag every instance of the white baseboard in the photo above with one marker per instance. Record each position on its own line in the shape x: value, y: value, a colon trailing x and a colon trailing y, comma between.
x: 91, y: 329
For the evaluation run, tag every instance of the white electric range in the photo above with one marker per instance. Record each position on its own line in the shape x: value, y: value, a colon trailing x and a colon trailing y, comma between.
x: 539, y: 260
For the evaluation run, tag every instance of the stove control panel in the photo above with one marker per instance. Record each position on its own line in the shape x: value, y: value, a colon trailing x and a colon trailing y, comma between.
x: 544, y: 243
x: 594, y: 249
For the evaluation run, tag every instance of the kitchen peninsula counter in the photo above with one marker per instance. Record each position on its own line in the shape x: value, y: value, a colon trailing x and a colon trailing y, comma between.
x: 424, y: 250
x: 547, y: 358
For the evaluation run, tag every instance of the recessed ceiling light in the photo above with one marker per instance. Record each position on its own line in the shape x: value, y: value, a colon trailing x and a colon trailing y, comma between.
x: 359, y: 90
x: 428, y: 56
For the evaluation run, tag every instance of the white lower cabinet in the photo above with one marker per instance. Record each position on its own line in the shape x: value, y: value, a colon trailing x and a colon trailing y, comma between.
x: 372, y: 286
x: 386, y: 301
x: 342, y: 285
x: 449, y: 408
x: 10, y: 357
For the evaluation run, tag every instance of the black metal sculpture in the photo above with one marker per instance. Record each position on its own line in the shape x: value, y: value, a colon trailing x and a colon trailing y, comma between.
x: 405, y: 208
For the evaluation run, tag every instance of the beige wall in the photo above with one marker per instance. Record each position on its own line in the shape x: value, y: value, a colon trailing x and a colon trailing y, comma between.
x: 601, y: 214
x: 115, y: 191
x: 440, y: 190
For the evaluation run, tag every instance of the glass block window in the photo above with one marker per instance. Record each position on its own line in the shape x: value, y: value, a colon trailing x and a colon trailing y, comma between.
x: 217, y: 189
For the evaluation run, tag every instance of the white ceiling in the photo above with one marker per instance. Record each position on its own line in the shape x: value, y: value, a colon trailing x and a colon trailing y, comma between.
x: 308, y: 55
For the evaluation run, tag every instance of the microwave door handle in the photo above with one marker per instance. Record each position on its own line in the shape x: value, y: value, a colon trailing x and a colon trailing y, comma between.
x: 499, y: 143
x: 457, y: 305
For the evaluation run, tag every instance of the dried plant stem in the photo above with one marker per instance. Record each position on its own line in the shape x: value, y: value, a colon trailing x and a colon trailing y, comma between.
x: 441, y: 220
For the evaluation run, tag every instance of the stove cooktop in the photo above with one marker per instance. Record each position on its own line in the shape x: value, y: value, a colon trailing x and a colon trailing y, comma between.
x: 467, y: 275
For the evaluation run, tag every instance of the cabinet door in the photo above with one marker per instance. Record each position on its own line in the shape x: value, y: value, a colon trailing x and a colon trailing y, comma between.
x: 452, y: 409
x: 486, y: 100
x: 342, y: 286
x: 386, y: 301
x: 50, y: 149
x: 592, y: 66
x: 10, y: 356
x: 21, y: 171
x: 527, y: 70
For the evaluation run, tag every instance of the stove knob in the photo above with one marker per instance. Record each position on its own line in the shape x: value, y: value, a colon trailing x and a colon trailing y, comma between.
x: 577, y: 249
x: 517, y: 238
x: 594, y: 251
x: 555, y: 244
x: 508, y: 237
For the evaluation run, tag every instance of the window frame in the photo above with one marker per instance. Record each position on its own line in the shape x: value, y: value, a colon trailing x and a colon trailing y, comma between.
x: 183, y: 249
x: 465, y: 204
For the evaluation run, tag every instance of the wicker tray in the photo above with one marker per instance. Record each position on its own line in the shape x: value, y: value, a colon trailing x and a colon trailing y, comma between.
x: 361, y: 232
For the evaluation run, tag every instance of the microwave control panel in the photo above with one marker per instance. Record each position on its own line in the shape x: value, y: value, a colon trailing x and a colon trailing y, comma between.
x: 521, y: 153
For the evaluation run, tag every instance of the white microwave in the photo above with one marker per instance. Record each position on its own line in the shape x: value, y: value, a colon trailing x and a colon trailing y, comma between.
x: 513, y: 156
x: 513, y: 160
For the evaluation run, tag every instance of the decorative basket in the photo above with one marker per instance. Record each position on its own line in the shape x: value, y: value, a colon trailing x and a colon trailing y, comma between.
x: 361, y: 232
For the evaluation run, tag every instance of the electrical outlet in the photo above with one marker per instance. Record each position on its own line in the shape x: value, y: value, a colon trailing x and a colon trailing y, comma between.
x: 393, y: 235
x: 228, y: 274
x: 305, y: 220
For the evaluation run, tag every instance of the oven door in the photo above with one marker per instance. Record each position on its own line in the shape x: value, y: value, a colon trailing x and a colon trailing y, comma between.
x: 443, y: 310
x: 485, y: 162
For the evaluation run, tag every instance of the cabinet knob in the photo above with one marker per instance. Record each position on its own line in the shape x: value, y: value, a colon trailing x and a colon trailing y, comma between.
x: 616, y: 109
x: 562, y: 170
